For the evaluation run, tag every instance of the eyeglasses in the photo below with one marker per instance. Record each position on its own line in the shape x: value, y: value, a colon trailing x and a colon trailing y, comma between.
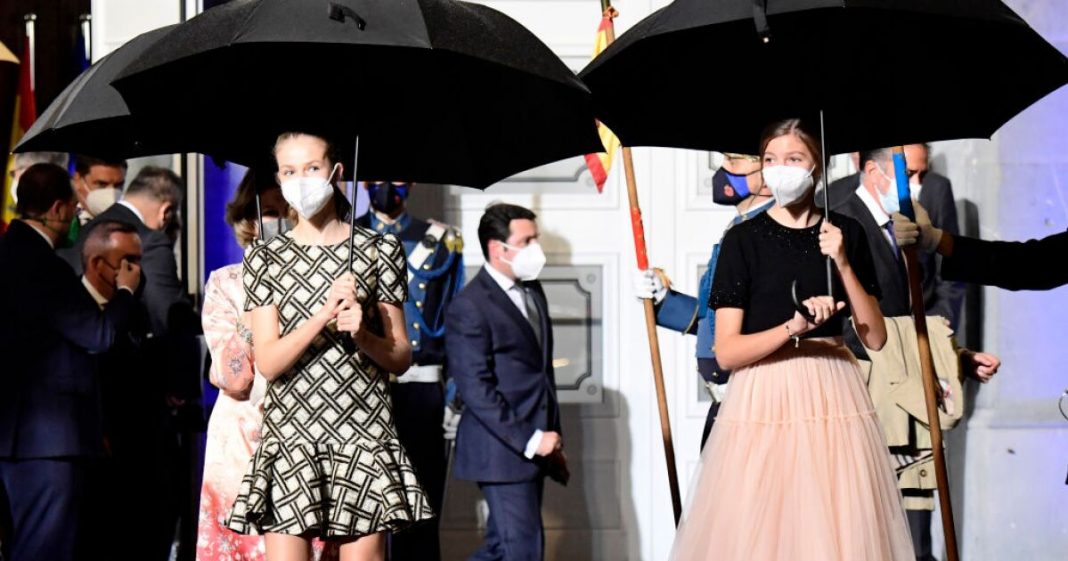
x: 746, y: 157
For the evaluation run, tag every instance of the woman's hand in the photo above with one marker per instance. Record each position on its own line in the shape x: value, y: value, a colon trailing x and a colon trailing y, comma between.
x: 821, y: 308
x: 342, y: 295
x: 832, y: 244
x: 350, y: 320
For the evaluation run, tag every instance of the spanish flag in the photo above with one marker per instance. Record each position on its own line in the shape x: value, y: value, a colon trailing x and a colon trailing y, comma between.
x: 600, y: 163
x: 25, y: 115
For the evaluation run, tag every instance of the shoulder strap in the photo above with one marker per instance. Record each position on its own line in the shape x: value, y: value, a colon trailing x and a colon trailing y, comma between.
x: 425, y: 248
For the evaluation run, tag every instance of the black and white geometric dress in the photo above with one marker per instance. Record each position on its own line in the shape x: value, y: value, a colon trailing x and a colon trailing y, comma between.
x: 329, y: 463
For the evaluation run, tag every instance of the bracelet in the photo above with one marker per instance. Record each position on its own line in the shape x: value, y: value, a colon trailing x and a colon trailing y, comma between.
x: 797, y: 340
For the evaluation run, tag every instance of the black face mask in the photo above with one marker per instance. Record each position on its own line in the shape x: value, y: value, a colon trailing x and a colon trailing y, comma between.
x: 386, y: 197
x: 729, y: 188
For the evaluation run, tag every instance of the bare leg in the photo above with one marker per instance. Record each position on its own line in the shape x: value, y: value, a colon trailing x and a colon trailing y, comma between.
x: 283, y: 547
x: 366, y: 548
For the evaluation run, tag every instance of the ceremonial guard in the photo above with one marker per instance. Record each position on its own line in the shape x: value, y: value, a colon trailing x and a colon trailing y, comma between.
x: 737, y: 183
x: 435, y: 275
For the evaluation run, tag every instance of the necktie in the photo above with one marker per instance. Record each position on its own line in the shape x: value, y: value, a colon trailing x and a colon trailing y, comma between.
x: 533, y: 316
x: 893, y: 240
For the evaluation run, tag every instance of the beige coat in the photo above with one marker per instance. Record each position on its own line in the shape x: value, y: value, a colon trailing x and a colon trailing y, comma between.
x: 896, y: 386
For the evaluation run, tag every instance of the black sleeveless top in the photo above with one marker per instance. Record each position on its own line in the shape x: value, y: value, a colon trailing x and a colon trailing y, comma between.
x: 759, y: 259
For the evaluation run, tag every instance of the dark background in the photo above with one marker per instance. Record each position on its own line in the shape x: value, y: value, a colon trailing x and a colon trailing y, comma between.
x: 57, y: 31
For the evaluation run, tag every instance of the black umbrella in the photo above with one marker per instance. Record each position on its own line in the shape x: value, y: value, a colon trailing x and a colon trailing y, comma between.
x: 885, y: 72
x: 437, y: 91
x: 90, y: 117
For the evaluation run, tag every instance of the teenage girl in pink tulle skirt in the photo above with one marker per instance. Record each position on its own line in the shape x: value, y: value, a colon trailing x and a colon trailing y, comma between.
x: 796, y: 467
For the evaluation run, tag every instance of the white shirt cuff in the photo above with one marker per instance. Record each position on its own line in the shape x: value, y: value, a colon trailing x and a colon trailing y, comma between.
x: 532, y: 444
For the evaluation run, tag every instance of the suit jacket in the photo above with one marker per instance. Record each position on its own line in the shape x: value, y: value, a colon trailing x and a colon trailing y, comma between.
x: 1031, y: 265
x: 505, y: 379
x: 173, y: 324
x: 51, y: 328
x: 889, y: 268
x: 941, y: 297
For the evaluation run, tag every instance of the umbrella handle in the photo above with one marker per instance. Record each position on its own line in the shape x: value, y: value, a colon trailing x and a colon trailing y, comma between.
x: 339, y: 12
x: 259, y: 215
x: 760, y: 20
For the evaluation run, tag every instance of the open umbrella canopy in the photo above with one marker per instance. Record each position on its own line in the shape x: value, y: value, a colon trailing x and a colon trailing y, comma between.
x: 438, y: 91
x: 90, y: 117
x: 885, y: 72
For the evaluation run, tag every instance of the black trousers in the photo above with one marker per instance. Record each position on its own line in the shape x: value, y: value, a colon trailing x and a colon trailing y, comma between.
x: 418, y: 411
x: 920, y: 527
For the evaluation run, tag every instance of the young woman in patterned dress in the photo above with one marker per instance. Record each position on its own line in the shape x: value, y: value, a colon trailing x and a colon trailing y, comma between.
x: 234, y: 427
x: 329, y: 464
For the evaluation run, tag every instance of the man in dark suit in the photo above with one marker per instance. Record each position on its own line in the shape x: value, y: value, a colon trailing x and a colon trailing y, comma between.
x: 941, y: 296
x: 498, y: 340
x: 50, y: 422
x: 867, y: 205
x: 161, y: 370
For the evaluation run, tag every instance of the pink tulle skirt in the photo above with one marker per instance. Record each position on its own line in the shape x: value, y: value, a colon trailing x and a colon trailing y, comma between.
x: 796, y: 468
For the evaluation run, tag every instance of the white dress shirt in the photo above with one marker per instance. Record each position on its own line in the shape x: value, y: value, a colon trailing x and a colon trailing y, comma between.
x: 99, y: 298
x: 877, y: 212
x: 42, y: 234
x: 133, y: 209
x: 510, y: 287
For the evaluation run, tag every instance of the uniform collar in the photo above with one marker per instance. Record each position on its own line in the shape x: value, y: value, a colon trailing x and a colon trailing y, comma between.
x: 749, y: 213
x: 383, y: 225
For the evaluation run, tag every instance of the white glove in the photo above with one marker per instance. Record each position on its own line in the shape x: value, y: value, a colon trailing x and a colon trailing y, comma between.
x: 647, y: 285
x: 450, y: 423
x: 908, y: 232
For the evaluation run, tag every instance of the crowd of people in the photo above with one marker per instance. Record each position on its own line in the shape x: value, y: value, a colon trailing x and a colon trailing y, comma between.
x: 333, y: 347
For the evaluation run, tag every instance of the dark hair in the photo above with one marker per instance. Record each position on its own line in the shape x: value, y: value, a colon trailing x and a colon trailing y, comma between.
x: 40, y: 186
x: 83, y: 163
x: 241, y: 210
x: 496, y: 223
x: 877, y: 155
x: 801, y: 130
x: 158, y: 184
x: 342, y: 206
x: 98, y: 239
x: 27, y: 159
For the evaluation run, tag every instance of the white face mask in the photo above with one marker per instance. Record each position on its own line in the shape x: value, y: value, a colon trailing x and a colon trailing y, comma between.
x: 275, y: 227
x: 889, y: 198
x: 100, y: 200
x: 788, y: 184
x: 14, y: 192
x: 308, y: 195
x: 528, y: 261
